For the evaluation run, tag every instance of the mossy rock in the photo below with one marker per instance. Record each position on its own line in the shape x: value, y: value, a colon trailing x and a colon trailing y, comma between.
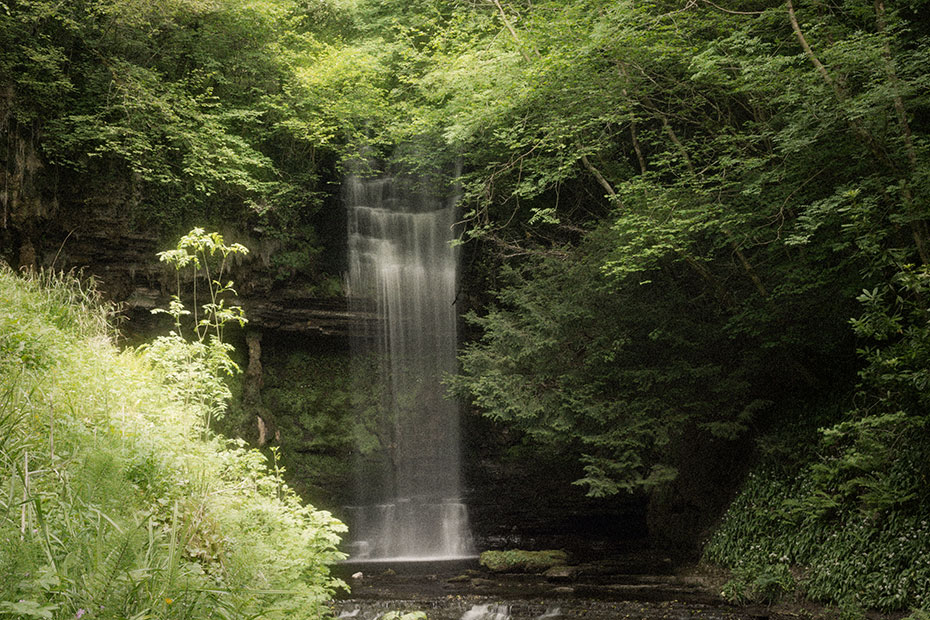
x: 519, y: 561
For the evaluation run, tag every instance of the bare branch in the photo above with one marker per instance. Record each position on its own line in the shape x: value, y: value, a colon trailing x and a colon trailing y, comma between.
x: 597, y: 175
x: 513, y: 32
x: 731, y: 12
x: 810, y: 53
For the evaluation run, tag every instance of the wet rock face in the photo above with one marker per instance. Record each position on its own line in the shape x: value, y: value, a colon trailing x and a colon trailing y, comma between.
x: 294, y: 309
x: 57, y: 219
x: 682, y: 514
x: 101, y: 241
x: 522, y: 497
x: 27, y: 187
x: 125, y: 266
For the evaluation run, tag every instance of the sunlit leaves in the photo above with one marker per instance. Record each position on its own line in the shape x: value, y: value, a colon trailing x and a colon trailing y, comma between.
x: 183, y: 106
x: 342, y: 91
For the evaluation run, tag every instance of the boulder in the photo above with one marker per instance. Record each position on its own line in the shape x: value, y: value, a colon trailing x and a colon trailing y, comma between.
x: 561, y: 574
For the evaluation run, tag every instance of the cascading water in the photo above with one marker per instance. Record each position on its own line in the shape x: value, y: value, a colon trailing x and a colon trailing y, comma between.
x: 487, y: 611
x: 402, y: 271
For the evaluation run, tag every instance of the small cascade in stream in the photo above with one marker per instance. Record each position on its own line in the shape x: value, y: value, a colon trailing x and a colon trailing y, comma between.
x: 403, y: 273
x: 487, y: 612
x: 491, y: 611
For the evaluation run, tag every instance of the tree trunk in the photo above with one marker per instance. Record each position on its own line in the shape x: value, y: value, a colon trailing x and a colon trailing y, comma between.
x: 252, y: 391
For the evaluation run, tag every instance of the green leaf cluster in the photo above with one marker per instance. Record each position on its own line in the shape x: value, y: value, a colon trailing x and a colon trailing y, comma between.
x: 863, y: 555
x: 183, y: 111
x: 197, y: 367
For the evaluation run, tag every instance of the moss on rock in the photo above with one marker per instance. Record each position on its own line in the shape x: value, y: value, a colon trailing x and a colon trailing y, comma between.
x: 520, y: 561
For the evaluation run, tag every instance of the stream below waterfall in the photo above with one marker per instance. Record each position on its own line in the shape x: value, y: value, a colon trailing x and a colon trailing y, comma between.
x: 633, y: 586
x: 482, y: 608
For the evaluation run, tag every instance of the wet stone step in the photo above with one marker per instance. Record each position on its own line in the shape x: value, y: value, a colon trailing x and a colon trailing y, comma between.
x: 477, y: 608
x: 401, y: 585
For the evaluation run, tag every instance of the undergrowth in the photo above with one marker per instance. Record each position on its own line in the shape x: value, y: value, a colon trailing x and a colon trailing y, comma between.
x: 115, y: 501
x: 785, y: 536
x: 842, y: 515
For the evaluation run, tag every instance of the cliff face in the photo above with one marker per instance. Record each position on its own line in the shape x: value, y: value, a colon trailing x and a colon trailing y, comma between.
x: 50, y: 219
x: 28, y: 196
x: 123, y: 261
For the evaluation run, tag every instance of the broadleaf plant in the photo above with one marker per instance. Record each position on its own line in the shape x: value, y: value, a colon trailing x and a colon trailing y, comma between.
x: 197, y: 363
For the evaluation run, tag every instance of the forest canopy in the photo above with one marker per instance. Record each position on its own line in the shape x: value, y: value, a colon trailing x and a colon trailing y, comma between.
x: 690, y: 201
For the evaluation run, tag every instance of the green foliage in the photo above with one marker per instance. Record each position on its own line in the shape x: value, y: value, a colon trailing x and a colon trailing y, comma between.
x: 312, y: 397
x: 111, y: 508
x: 618, y: 370
x: 843, y: 552
x: 185, y: 111
x: 520, y: 561
x: 200, y: 252
x: 720, y: 218
x: 759, y: 584
x: 410, y: 615
x: 854, y: 520
x: 197, y: 367
x: 861, y: 502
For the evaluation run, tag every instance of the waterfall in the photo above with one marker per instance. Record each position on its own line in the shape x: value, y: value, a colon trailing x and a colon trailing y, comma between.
x: 402, y: 277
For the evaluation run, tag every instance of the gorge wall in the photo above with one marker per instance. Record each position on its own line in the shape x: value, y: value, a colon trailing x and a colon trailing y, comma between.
x: 294, y: 389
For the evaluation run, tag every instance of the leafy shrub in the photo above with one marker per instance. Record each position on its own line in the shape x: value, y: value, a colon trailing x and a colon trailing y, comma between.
x: 852, y: 517
x: 844, y: 554
x: 757, y: 583
x: 197, y: 367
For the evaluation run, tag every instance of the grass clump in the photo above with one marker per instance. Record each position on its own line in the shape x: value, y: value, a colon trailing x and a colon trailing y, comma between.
x: 115, y: 501
x: 520, y: 561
